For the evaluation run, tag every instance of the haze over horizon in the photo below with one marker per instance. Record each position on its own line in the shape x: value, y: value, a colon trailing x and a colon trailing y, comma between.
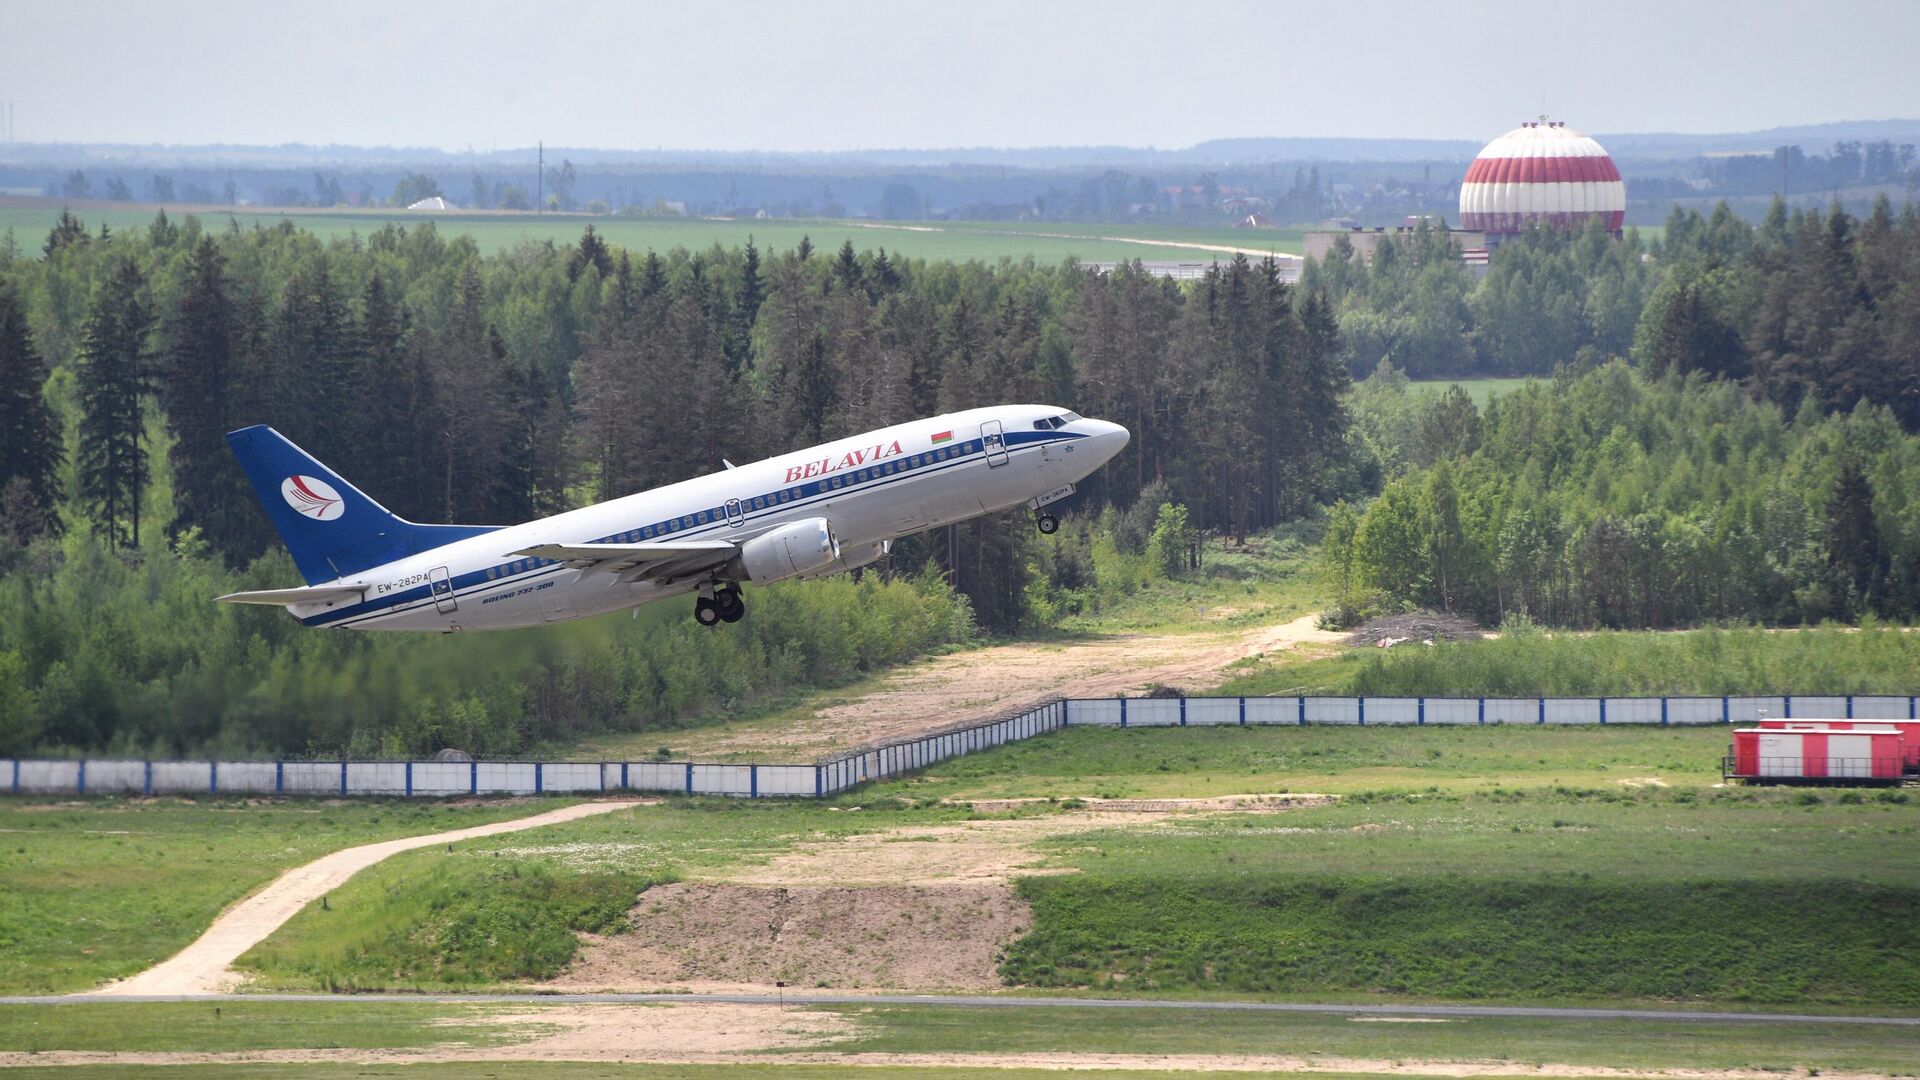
x: 748, y: 76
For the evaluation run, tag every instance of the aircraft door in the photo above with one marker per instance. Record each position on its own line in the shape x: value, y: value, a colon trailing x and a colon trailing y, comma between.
x: 734, y: 517
x: 995, y: 444
x: 441, y: 585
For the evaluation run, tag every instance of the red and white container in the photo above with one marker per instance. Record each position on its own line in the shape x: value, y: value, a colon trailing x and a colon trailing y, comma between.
x: 1865, y: 751
x: 1910, y: 729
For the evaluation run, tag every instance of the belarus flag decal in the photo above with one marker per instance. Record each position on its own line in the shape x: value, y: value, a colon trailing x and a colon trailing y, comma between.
x: 941, y: 436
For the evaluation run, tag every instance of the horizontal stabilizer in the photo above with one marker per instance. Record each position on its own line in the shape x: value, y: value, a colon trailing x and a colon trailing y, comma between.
x: 328, y: 595
x: 622, y: 556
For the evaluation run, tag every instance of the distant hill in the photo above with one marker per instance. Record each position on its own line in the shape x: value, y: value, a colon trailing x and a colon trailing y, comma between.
x: 1237, y: 151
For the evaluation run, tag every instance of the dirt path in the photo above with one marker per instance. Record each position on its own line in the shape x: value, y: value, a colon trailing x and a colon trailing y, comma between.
x: 203, y: 967
x: 731, y: 1034
x: 978, y: 685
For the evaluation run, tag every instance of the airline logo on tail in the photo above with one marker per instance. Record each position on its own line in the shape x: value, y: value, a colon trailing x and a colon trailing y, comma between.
x: 313, y: 497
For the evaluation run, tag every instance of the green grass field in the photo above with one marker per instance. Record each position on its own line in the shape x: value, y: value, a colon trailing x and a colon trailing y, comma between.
x: 1826, y: 660
x: 502, y: 910
x: 1600, y: 1043
x: 1481, y: 390
x: 242, y: 1026
x: 101, y: 889
x: 1195, y: 762
x: 956, y: 241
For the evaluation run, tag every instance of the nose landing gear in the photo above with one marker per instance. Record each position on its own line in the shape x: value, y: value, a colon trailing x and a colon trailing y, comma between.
x: 1047, y: 524
x: 719, y: 604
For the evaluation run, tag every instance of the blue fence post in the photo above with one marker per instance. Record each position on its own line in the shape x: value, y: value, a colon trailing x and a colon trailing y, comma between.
x: 213, y: 777
x: 819, y: 782
x: 343, y: 778
x: 409, y: 779
x: 689, y: 777
x: 1787, y: 700
x: 1421, y: 716
x: 1243, y: 712
x: 279, y: 777
x: 1849, y: 706
x: 1483, y: 710
x: 624, y: 784
x: 603, y: 776
x: 146, y: 782
x: 1603, y: 710
x: 80, y: 779
x: 1123, y: 712
x: 16, y: 776
x: 473, y: 777
x: 1913, y: 713
x: 1183, y: 712
x: 539, y: 778
x: 753, y: 781
x: 1303, y: 710
x: 1663, y: 712
x: 1726, y: 710
x: 1543, y: 712
x: 1362, y: 703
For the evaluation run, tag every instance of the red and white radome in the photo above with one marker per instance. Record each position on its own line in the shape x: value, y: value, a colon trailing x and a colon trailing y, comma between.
x: 1545, y: 173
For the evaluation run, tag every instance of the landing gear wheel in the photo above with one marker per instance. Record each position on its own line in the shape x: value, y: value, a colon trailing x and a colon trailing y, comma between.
x: 1048, y: 524
x: 706, y: 611
x: 732, y: 605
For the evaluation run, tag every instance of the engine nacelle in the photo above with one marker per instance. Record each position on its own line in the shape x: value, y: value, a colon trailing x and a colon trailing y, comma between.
x: 801, y: 548
x: 854, y: 558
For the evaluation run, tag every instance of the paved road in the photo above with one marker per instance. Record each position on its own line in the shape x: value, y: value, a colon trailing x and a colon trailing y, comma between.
x: 1006, y: 1002
x: 202, y: 967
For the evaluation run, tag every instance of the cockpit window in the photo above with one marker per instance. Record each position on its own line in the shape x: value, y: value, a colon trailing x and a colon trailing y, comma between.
x: 1066, y: 418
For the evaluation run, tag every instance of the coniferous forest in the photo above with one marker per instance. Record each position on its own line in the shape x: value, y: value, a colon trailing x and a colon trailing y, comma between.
x: 1724, y: 431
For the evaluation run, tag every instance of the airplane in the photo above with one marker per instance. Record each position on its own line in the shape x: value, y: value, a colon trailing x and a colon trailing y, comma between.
x: 808, y: 514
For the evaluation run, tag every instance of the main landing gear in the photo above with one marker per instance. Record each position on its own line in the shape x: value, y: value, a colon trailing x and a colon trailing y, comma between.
x: 1047, y: 523
x: 718, y: 604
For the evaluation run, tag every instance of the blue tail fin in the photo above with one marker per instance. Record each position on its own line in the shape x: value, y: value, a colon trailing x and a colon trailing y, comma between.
x: 332, y: 528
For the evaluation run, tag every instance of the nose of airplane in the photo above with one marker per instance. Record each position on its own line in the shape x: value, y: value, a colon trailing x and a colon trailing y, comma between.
x: 1109, y: 438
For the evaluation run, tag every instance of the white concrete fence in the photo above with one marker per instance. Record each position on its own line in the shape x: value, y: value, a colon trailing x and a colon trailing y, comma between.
x: 855, y: 767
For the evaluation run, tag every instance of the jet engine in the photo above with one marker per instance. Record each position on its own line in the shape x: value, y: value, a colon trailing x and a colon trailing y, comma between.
x: 800, y: 548
x: 853, y: 559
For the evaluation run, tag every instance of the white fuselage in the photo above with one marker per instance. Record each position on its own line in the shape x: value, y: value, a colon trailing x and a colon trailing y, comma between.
x: 870, y: 488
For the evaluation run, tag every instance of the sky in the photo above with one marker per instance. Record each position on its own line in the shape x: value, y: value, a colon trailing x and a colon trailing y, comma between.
x: 802, y: 75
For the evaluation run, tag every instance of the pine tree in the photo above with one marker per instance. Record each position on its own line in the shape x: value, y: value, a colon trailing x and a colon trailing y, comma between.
x: 747, y: 299
x: 1853, y: 538
x: 67, y: 232
x: 846, y: 268
x: 112, y: 381
x: 592, y: 251
x: 204, y: 389
x: 30, y: 447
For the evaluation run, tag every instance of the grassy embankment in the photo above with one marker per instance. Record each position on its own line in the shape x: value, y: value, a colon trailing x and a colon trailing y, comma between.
x: 1501, y: 864
x: 986, y: 241
x: 1825, y: 660
x: 98, y: 890
x: 483, y: 913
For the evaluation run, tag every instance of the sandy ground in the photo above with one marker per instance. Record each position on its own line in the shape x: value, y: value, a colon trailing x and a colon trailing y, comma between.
x: 978, y: 685
x: 204, y: 966
x: 722, y: 938
x: 730, y: 1034
x: 914, y: 908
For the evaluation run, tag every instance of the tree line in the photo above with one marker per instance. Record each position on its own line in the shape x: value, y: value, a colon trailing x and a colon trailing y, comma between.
x: 1614, y: 499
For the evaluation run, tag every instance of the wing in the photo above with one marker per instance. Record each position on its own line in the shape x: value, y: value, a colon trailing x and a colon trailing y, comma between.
x: 325, y: 595
x: 629, y: 562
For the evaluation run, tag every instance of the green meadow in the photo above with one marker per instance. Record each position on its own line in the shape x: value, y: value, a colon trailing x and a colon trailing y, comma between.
x: 958, y: 241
